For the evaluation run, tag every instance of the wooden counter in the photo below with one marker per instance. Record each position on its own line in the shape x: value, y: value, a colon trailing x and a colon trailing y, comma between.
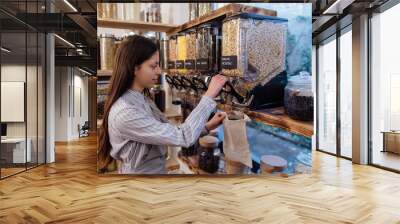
x: 277, y: 117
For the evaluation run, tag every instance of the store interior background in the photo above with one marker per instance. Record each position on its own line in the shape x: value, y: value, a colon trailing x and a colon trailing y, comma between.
x: 48, y: 64
x: 60, y: 83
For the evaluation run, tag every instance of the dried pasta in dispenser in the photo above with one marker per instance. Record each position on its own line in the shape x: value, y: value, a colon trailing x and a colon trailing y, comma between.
x: 253, y: 48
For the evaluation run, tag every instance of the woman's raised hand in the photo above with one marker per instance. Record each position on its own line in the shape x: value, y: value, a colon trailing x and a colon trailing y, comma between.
x: 216, y: 84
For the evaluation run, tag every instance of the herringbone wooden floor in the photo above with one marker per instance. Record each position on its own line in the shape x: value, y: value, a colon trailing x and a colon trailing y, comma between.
x: 70, y: 191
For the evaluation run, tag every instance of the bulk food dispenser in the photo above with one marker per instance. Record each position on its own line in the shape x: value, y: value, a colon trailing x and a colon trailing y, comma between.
x: 249, y: 48
x: 253, y: 53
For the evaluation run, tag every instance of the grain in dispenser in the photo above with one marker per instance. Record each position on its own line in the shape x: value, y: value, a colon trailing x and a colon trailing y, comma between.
x: 207, y: 45
x: 181, y: 54
x: 253, y: 48
x: 172, y: 51
x: 190, y: 61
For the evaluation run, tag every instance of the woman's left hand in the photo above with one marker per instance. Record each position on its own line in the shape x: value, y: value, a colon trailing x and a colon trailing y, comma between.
x: 215, y: 121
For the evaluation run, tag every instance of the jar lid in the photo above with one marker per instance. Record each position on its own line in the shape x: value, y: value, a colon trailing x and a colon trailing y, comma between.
x: 304, y: 78
x: 106, y: 35
x: 244, y: 15
x: 213, y: 133
x: 208, y: 141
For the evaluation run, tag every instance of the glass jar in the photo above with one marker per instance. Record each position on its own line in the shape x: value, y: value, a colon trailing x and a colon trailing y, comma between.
x: 207, y: 45
x: 109, y: 10
x: 205, y: 8
x: 190, y: 61
x: 107, y: 51
x: 164, y: 52
x: 298, y: 100
x: 193, y: 11
x: 209, y: 154
x: 181, y: 54
x: 99, y: 10
x: 253, y: 48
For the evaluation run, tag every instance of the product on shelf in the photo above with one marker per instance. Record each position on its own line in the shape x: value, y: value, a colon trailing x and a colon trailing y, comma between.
x: 107, y: 51
x: 299, y: 100
x: 107, y: 10
x: 193, y: 10
x: 205, y: 8
x: 253, y: 48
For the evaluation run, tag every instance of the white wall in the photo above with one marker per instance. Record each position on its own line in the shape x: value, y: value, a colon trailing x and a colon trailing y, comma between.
x: 70, y: 84
x: 12, y: 73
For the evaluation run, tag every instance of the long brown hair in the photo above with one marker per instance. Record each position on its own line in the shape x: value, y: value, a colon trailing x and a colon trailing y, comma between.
x: 133, y: 51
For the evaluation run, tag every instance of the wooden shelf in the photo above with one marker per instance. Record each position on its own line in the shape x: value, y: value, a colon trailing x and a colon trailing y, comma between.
x: 135, y: 25
x: 220, y: 14
x: 276, y: 117
x: 104, y: 72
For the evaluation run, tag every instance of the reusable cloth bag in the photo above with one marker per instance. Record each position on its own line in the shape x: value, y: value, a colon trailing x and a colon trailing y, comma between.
x: 236, y: 146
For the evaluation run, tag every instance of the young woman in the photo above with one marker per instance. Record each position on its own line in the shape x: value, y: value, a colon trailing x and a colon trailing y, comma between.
x: 134, y: 132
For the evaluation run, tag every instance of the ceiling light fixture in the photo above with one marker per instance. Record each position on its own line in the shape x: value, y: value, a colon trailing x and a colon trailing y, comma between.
x: 5, y: 50
x: 70, y: 5
x: 337, y: 7
x: 65, y: 41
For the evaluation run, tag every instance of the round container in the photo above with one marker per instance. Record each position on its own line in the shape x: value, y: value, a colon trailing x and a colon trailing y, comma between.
x: 130, y: 12
x: 107, y: 51
x: 99, y: 10
x: 193, y: 10
x: 271, y: 163
x: 205, y: 8
x: 109, y: 11
x: 299, y: 101
x: 209, y: 154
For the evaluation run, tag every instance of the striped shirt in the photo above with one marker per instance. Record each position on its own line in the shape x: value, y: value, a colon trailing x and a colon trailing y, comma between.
x: 140, y: 133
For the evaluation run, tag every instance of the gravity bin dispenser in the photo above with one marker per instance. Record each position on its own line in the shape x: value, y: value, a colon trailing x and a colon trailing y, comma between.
x: 248, y: 48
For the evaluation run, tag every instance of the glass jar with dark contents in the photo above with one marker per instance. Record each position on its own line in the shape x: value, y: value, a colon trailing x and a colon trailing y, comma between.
x: 299, y: 101
x: 209, y: 154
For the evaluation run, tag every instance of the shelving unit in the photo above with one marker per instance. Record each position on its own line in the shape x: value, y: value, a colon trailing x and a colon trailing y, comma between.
x: 105, y: 73
x: 135, y: 25
x: 220, y: 14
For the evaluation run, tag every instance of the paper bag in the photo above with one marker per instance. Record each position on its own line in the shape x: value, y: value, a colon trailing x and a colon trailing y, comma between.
x: 236, y: 146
